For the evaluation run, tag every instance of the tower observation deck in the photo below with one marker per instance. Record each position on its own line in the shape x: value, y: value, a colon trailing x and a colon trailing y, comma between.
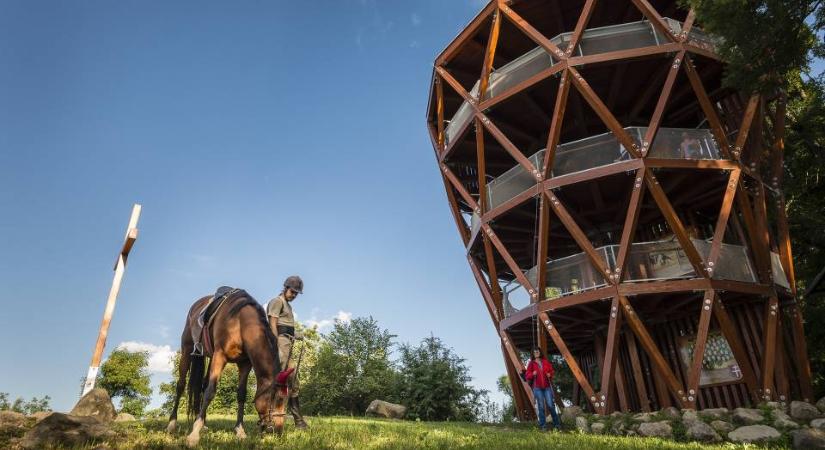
x: 620, y: 207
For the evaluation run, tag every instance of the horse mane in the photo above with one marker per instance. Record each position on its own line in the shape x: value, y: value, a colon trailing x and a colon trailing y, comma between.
x: 246, y: 300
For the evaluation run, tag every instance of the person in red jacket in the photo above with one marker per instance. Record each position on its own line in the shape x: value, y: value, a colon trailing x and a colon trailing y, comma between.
x: 539, y: 375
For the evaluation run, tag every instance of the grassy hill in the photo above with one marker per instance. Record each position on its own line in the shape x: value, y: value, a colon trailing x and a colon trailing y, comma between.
x: 362, y: 433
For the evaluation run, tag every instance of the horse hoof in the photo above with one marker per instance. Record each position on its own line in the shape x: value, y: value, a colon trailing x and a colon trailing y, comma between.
x: 240, y: 433
x: 172, y: 427
x: 192, y: 441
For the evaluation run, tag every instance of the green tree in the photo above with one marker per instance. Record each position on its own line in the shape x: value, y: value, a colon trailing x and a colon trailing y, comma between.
x: 765, y: 42
x: 24, y: 407
x: 435, y: 383
x: 508, y: 409
x: 352, y: 369
x: 125, y: 376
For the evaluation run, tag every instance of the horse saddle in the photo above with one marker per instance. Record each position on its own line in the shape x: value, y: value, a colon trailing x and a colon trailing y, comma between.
x: 203, y: 319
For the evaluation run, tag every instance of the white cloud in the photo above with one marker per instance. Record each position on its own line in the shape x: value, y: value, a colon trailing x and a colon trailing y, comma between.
x: 322, y: 324
x: 160, y: 356
x: 415, y: 19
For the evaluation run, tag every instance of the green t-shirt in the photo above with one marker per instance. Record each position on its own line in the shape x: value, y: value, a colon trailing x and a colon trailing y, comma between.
x: 279, y: 308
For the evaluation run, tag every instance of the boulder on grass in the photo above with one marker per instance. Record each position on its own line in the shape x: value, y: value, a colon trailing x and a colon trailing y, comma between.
x: 671, y: 412
x: 689, y: 416
x: 747, y: 416
x: 808, y: 439
x: 803, y: 411
x: 95, y: 404
x: 581, y: 424
x: 380, y: 408
x: 65, y: 430
x: 715, y: 413
x: 753, y: 433
x: 597, y: 428
x: 569, y: 413
x: 40, y: 415
x: 702, y: 432
x: 819, y: 424
x: 820, y: 405
x: 721, y: 426
x: 642, y: 417
x: 656, y: 429
x: 125, y: 417
x: 782, y: 420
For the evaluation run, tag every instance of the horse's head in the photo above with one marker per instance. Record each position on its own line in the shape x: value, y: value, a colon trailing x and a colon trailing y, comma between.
x: 271, y: 405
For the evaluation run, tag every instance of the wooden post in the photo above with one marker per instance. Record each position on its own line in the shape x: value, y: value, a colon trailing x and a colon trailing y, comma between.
x: 120, y: 268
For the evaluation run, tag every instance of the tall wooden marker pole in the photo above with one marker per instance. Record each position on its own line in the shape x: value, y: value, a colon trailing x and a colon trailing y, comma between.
x: 120, y: 268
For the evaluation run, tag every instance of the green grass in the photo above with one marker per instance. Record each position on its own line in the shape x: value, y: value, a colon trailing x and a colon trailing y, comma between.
x: 362, y: 433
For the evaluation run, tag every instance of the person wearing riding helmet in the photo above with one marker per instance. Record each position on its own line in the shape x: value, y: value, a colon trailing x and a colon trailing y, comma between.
x: 282, y: 323
x: 539, y: 375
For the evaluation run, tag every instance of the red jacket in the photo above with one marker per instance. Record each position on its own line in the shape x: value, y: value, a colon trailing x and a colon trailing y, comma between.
x: 541, y: 377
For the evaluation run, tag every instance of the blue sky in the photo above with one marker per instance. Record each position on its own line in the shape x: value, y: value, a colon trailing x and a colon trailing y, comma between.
x: 263, y: 139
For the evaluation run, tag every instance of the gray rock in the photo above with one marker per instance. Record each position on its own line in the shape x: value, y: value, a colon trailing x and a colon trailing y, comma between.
x: 389, y: 410
x: 65, y: 430
x: 721, y: 426
x: 11, y: 422
x: 715, y: 413
x: 821, y: 404
x: 95, y: 404
x: 643, y: 417
x: 808, y: 439
x: 582, y: 425
x: 689, y: 416
x: 125, y: 417
x: 753, y: 433
x: 803, y: 411
x: 747, y: 416
x: 775, y: 405
x: 658, y: 429
x: 616, y: 414
x: 618, y: 428
x: 671, y: 412
x: 40, y: 415
x: 700, y: 431
x: 597, y: 428
x: 782, y: 420
x: 631, y: 433
x: 569, y: 413
x: 819, y: 424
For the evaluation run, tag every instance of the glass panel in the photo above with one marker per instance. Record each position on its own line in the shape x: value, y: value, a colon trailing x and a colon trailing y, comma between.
x: 590, y: 152
x: 518, y: 70
x: 571, y: 274
x: 733, y: 263
x: 463, y: 115
x: 779, y: 276
x: 658, y: 260
x: 617, y: 37
x: 684, y: 143
x: 513, y: 182
x: 703, y: 40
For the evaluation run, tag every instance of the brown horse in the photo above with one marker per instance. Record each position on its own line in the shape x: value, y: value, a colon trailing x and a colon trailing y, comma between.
x: 240, y: 334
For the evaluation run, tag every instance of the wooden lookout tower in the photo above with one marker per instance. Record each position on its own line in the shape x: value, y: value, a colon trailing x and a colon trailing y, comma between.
x: 621, y: 208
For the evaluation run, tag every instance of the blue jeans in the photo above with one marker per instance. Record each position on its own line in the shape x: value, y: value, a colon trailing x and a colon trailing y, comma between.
x: 545, y: 397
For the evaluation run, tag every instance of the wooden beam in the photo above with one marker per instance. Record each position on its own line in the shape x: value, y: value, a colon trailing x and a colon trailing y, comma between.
x: 611, y: 352
x: 745, y: 127
x: 581, y: 25
x: 802, y: 362
x: 695, y: 371
x: 722, y: 220
x: 769, y: 324
x: 556, y: 124
x: 661, y: 104
x: 561, y: 345
x: 579, y: 236
x: 489, y: 55
x: 652, y: 350
x: 604, y: 114
x: 439, y: 106
x: 532, y: 33
x: 653, y: 16
x: 108, y: 312
x: 675, y: 224
x: 707, y: 106
x: 629, y: 228
x: 543, y: 241
x: 638, y: 377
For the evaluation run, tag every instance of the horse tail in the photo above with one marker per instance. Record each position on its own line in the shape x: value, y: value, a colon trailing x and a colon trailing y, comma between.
x: 197, y: 367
